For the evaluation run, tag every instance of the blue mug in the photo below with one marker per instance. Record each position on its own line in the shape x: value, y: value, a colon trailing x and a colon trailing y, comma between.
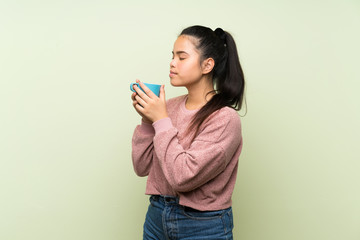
x: 155, y: 88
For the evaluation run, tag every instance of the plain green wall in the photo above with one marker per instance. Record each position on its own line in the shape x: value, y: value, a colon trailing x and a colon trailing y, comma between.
x: 67, y: 120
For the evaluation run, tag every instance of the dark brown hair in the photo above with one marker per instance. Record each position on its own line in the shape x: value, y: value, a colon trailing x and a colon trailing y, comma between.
x: 228, y: 77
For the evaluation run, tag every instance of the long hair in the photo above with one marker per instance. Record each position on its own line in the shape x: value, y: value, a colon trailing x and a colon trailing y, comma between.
x: 228, y: 76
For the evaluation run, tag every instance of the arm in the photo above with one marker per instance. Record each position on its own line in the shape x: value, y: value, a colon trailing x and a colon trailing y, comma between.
x: 142, y: 141
x: 142, y: 148
x: 207, y: 156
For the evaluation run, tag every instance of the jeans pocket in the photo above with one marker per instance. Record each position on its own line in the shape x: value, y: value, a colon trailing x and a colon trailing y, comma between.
x: 231, y: 218
x: 228, y: 222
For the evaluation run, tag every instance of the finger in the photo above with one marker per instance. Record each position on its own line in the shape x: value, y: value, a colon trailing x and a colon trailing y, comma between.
x: 139, y: 108
x: 162, y: 93
x: 140, y: 92
x: 148, y: 92
x: 133, y: 96
x: 140, y: 101
x: 135, y: 101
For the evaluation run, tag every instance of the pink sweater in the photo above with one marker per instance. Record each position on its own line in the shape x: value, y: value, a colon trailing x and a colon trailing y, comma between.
x: 201, y: 173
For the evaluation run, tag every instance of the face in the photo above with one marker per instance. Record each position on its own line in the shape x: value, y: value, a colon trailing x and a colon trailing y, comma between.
x: 185, y: 67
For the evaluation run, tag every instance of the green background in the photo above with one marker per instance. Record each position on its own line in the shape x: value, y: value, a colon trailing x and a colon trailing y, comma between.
x: 67, y: 120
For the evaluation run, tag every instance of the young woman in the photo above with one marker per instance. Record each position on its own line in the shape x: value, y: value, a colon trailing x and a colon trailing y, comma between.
x: 189, y: 146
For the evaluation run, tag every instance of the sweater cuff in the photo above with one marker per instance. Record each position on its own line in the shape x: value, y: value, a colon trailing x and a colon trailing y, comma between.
x: 162, y: 125
x: 146, y: 128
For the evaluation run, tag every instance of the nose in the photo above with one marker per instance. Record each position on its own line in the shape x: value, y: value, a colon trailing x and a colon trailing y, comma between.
x: 172, y: 63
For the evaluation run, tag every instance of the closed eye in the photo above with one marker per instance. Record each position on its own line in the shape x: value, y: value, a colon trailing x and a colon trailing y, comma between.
x: 181, y: 55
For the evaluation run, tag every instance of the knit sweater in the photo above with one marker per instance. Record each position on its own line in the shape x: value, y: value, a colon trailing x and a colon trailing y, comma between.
x: 202, y: 172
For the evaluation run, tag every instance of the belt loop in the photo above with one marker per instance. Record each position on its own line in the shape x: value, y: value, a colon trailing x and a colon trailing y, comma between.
x: 170, y: 199
x: 155, y: 197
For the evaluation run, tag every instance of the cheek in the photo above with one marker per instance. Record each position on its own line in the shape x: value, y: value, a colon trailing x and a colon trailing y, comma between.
x: 191, y: 68
x: 195, y: 70
x: 191, y: 75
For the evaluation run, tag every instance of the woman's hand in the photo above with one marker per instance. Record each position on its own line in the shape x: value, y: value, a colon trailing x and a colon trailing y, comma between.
x: 151, y: 107
x: 144, y: 119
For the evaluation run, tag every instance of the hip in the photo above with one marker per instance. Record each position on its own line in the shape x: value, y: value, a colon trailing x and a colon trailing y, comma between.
x: 167, y: 219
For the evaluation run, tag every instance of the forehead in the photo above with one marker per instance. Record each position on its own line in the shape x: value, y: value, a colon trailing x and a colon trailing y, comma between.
x: 186, y: 44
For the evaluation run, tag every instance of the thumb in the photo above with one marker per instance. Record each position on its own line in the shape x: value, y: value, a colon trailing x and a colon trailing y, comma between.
x: 162, y: 92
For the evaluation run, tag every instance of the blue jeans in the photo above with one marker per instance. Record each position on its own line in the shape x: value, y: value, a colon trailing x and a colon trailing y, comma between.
x: 166, y: 219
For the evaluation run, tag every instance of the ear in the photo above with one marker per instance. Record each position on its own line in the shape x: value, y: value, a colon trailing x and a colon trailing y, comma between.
x: 207, y: 65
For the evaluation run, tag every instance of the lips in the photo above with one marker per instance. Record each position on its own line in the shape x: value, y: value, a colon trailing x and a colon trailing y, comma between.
x: 172, y: 74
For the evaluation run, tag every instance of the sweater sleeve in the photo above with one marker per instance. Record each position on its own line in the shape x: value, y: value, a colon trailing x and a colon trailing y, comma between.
x: 207, y: 156
x: 142, y: 148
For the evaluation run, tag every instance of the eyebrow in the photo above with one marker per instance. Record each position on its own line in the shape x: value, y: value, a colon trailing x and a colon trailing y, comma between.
x: 180, y: 52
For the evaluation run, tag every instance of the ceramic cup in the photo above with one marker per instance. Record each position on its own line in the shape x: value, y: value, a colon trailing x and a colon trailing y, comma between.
x: 155, y: 88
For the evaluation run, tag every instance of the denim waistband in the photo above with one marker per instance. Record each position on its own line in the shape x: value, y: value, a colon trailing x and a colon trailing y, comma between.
x: 165, y: 199
x: 167, y: 219
x: 174, y: 201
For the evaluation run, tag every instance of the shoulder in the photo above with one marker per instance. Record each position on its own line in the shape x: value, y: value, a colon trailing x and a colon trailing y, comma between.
x: 222, y: 123
x: 225, y: 116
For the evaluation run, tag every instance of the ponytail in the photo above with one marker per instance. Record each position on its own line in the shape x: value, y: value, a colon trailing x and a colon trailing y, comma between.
x: 228, y: 77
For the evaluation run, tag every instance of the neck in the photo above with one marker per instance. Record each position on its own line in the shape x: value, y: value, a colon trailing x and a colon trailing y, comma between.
x: 199, y: 94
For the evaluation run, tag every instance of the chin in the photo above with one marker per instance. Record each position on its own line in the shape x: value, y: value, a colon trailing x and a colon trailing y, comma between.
x: 174, y: 83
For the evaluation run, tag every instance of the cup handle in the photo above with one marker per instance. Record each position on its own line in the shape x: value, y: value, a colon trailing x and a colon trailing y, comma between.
x: 132, y: 88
